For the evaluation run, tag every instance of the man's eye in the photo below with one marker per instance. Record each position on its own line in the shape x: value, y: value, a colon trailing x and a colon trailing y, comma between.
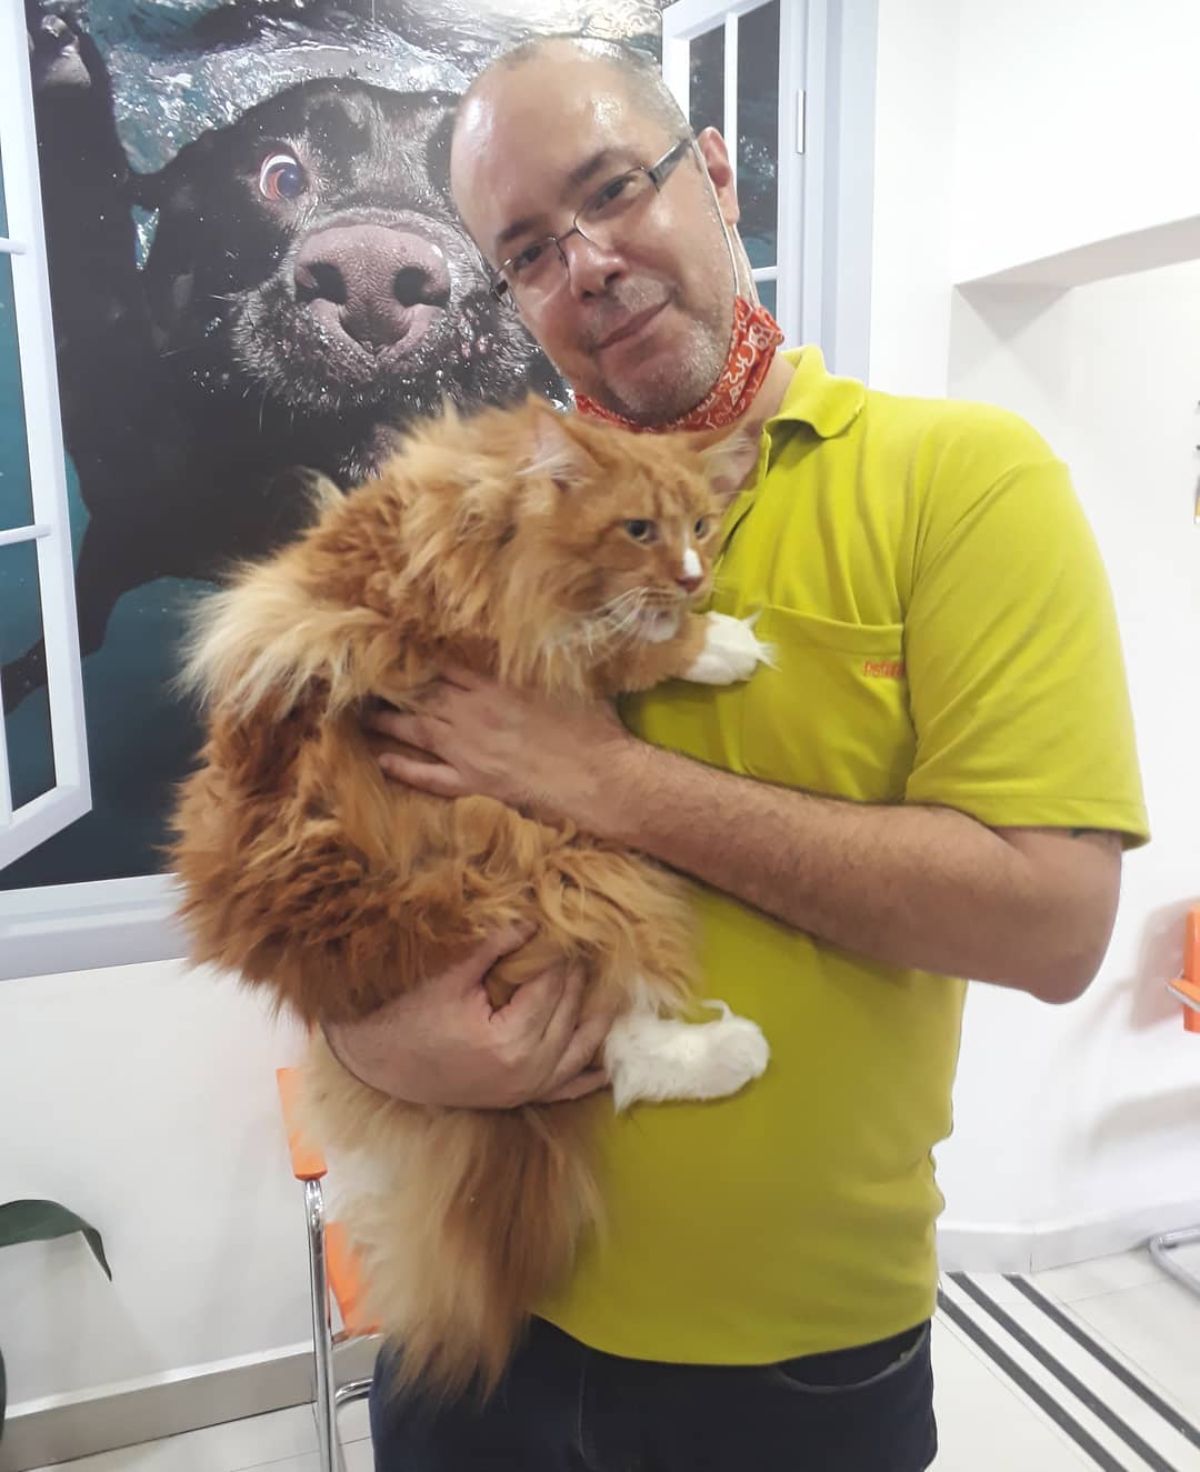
x: 641, y: 531
x: 528, y: 258
x: 613, y: 191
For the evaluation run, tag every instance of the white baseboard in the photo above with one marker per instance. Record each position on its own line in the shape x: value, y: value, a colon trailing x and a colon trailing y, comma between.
x: 1021, y: 1247
x: 61, y: 1427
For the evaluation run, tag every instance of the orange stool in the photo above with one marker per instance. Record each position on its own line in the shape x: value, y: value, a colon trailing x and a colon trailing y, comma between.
x: 1187, y: 986
x: 1187, y: 989
x: 334, y: 1276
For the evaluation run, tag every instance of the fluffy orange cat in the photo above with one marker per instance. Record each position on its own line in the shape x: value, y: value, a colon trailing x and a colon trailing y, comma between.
x: 557, y: 554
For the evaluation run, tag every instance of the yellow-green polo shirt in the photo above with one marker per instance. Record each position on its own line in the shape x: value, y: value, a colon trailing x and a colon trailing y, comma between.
x: 944, y: 634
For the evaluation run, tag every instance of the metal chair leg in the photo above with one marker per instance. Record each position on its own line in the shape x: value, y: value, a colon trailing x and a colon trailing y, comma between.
x: 326, y: 1389
x: 1160, y: 1251
x: 352, y: 1390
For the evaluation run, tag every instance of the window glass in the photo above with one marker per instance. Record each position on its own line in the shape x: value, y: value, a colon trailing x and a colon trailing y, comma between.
x: 706, y: 59
x: 27, y: 729
x: 16, y: 501
x: 758, y: 132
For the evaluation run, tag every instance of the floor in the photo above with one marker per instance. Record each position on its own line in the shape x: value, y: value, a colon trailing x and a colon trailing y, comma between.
x: 1090, y: 1366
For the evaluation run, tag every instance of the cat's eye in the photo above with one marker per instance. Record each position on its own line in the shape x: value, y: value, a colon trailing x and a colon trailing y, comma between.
x: 701, y: 527
x: 641, y: 531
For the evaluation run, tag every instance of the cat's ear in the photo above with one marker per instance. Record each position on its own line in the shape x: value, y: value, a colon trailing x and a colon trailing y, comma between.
x: 728, y: 458
x: 556, y: 451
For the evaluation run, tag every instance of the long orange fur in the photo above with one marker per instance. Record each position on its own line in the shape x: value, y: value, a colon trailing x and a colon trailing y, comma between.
x: 489, y: 542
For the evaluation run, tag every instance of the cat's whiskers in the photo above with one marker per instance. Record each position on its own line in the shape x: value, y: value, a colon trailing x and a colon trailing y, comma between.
x: 616, y: 618
x: 608, y: 625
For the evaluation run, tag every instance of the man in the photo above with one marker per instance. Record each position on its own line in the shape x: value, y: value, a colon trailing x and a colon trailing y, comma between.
x: 943, y: 780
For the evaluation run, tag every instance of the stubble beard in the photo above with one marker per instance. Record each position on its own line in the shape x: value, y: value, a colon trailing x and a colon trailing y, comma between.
x: 677, y: 383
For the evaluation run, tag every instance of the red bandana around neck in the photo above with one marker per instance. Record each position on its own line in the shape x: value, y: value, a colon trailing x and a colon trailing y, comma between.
x: 756, y: 335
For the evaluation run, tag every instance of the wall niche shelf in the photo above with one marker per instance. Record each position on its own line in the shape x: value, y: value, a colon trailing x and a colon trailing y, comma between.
x: 1167, y: 244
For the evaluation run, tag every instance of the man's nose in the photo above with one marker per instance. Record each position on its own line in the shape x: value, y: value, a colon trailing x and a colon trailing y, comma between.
x: 591, y: 268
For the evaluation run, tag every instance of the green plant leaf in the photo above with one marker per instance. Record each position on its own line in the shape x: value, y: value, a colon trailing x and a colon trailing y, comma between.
x: 39, y: 1221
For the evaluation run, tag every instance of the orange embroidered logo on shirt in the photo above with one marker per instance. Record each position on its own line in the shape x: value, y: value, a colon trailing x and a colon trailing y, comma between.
x: 884, y: 669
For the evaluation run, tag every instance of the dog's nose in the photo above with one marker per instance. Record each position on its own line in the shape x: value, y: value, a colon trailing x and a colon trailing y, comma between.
x: 381, y: 287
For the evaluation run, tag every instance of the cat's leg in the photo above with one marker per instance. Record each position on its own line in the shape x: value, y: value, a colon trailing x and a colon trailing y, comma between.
x: 710, y: 648
x: 652, y: 1058
x: 732, y: 651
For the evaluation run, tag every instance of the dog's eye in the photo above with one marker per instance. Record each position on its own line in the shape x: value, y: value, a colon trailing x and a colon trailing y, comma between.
x: 282, y: 177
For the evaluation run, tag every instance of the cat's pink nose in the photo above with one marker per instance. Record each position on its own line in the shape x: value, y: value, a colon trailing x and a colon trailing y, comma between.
x: 690, y: 581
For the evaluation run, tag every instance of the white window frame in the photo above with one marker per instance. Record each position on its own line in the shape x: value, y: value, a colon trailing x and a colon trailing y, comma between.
x: 825, y: 161
x: 64, y: 927
x: 24, y: 827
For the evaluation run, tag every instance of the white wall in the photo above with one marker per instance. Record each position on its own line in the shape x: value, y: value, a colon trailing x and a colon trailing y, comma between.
x: 1068, y: 122
x: 143, y: 1097
x: 1091, y: 1111
x: 1008, y: 133
x: 915, y: 108
x: 1077, y: 120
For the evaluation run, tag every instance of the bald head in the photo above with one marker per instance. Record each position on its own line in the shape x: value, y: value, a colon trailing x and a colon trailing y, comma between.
x: 564, y: 83
x: 635, y: 72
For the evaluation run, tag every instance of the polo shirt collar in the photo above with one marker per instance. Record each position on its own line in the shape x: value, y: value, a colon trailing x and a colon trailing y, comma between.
x: 815, y: 397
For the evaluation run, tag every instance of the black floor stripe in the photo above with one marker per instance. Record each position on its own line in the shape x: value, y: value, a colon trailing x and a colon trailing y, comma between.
x: 1061, y: 1418
x: 1173, y: 1417
x: 1086, y: 1397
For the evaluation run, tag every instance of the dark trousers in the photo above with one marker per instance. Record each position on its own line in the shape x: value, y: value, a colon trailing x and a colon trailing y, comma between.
x: 565, y: 1408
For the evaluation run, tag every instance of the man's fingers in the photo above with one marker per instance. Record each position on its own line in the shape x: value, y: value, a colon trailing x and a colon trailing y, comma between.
x: 501, y: 943
x: 402, y: 725
x: 556, y: 1033
x: 534, y: 1006
x: 436, y: 778
x: 455, y: 674
x: 579, y: 1087
x: 466, y: 976
x: 580, y: 1052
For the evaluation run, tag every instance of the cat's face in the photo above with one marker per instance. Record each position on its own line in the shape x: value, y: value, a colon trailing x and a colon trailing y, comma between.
x: 626, y: 527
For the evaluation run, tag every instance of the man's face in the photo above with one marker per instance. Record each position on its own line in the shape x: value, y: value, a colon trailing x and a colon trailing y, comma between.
x: 642, y: 326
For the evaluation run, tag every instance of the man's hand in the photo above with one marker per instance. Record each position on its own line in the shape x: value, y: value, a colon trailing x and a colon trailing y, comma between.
x: 547, y: 759
x: 443, y: 1044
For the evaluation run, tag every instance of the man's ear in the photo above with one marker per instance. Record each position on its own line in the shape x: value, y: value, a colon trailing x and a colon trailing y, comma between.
x: 555, y: 448
x: 715, y: 153
x: 728, y: 456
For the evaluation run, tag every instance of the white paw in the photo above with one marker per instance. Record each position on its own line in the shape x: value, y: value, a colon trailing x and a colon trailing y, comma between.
x: 731, y: 651
x: 654, y: 1058
x: 737, y: 1052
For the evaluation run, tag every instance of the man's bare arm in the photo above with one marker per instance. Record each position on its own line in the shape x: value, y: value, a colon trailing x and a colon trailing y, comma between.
x: 1030, y: 908
x: 912, y: 886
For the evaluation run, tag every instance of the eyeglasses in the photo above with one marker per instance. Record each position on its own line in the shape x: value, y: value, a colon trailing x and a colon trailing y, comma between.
x: 602, y: 219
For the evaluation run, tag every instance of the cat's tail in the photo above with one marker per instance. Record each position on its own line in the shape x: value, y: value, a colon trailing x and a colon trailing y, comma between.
x: 478, y: 1215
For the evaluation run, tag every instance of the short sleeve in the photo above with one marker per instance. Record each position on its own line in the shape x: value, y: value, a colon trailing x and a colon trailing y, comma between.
x: 1016, y: 680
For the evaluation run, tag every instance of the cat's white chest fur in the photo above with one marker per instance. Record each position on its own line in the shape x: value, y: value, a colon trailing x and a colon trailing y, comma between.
x: 656, y: 626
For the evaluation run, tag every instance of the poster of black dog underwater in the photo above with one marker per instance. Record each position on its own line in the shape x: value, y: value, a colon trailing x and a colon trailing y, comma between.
x: 213, y: 177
